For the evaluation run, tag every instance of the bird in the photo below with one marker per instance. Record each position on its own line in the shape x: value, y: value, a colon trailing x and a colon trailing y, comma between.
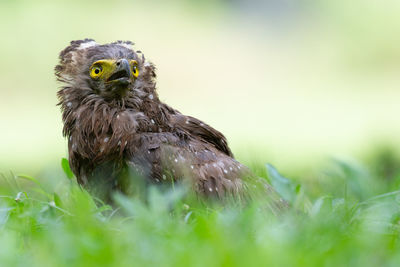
x: 117, y: 126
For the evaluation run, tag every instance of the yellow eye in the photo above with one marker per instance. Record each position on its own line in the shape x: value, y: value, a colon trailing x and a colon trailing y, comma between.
x: 134, y: 66
x: 96, y: 71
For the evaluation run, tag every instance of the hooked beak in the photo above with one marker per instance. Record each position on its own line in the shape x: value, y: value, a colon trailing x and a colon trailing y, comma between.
x: 122, y: 73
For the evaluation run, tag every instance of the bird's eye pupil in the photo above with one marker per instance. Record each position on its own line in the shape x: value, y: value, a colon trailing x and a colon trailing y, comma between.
x: 134, y: 69
x: 96, y: 71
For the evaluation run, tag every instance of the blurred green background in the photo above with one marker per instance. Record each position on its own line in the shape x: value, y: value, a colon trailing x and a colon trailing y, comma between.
x: 290, y: 82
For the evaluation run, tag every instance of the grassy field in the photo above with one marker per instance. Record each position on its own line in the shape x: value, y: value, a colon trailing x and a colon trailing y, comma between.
x: 308, y: 86
x: 348, y: 216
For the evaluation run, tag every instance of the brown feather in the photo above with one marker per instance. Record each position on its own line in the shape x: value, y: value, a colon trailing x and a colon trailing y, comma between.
x: 107, y: 136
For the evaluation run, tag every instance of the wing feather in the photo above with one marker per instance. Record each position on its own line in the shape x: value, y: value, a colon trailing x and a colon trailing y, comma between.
x: 205, y: 132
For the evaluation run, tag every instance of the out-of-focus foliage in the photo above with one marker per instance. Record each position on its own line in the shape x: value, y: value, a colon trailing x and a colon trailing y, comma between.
x: 346, y: 224
x: 288, y: 81
x: 294, y: 80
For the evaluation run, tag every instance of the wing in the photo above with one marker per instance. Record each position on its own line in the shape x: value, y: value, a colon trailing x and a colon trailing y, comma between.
x: 199, y: 129
x: 195, y: 128
x: 165, y: 157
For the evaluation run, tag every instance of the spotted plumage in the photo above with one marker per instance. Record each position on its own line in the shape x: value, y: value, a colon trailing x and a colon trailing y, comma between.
x: 117, y: 127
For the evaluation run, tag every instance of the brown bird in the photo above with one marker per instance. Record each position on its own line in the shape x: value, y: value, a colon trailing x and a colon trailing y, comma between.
x: 116, y: 125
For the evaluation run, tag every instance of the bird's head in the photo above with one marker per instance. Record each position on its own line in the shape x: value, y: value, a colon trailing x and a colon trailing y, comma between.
x: 111, y: 71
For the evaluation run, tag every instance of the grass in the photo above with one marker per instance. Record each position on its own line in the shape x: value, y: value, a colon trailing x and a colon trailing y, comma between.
x: 349, y: 216
x: 342, y: 214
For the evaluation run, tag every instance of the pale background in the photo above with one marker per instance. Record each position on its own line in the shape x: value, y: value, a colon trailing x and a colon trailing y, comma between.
x: 288, y: 82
